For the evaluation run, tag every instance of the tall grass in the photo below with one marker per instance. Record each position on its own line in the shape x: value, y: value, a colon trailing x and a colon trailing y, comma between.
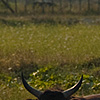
x: 50, y: 43
x: 73, y: 48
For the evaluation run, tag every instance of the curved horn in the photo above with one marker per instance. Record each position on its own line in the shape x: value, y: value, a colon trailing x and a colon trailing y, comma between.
x: 33, y: 91
x: 69, y: 92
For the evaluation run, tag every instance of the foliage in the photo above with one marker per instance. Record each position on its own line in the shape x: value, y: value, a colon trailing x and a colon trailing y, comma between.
x: 49, y: 77
x: 55, y: 55
x: 52, y: 77
x: 1, y: 5
x: 62, y: 7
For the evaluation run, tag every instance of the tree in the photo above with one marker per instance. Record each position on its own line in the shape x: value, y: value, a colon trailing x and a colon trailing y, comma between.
x: 60, y: 5
x: 52, y: 6
x: 43, y: 6
x: 70, y: 3
x: 80, y: 5
x: 88, y: 5
x: 16, y: 6
x: 98, y: 5
x: 7, y: 5
x: 25, y: 5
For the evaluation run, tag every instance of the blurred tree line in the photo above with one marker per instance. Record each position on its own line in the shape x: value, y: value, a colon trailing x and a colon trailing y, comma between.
x: 49, y: 6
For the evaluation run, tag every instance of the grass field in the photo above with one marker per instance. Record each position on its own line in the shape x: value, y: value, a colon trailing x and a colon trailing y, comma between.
x: 54, y: 55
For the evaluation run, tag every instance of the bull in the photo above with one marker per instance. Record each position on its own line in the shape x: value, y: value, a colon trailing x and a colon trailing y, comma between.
x: 57, y: 95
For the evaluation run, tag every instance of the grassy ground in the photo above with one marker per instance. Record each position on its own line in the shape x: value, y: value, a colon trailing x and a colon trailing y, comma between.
x: 52, y: 54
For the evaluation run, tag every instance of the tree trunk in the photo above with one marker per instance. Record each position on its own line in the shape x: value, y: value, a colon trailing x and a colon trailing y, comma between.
x: 25, y: 5
x: 52, y: 6
x: 80, y: 5
x: 60, y: 5
x: 98, y: 5
x: 16, y: 6
x: 70, y: 1
x: 88, y: 5
x: 7, y: 5
x: 43, y: 6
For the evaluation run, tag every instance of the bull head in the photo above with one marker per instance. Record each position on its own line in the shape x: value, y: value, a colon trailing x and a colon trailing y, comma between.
x: 64, y: 95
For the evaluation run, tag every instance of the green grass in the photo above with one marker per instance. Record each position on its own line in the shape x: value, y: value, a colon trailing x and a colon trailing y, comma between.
x: 50, y: 43
x: 53, y: 55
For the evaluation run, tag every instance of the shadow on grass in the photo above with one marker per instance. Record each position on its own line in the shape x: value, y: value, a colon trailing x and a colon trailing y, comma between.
x: 95, y: 62
x: 13, y: 23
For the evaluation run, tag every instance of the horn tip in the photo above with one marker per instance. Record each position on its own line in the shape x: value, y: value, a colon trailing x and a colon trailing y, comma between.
x: 82, y: 77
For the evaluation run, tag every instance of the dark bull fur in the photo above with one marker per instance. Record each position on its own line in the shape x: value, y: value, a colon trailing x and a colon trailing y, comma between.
x: 57, y: 95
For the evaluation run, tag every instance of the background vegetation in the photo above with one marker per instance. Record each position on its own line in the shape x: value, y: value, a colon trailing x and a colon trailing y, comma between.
x: 50, y: 6
x: 53, y: 50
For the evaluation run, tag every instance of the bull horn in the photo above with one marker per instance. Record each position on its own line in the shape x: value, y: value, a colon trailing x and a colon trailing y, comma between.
x: 33, y: 91
x: 69, y: 92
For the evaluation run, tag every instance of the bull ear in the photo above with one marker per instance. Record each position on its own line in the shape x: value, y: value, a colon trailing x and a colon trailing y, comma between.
x: 69, y: 92
x: 33, y: 91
